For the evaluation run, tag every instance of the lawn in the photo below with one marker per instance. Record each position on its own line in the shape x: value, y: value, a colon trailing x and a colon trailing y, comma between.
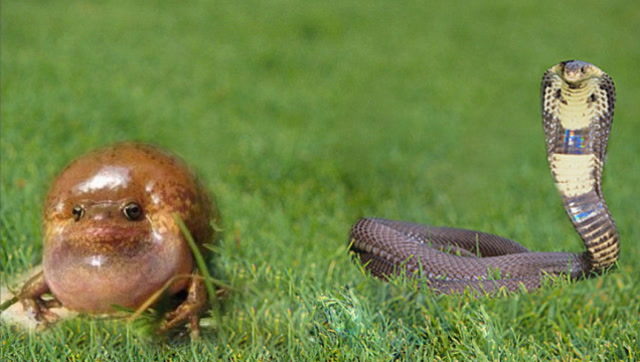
x: 301, y: 117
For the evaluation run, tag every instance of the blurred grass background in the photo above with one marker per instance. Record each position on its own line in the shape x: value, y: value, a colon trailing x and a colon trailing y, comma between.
x: 302, y: 116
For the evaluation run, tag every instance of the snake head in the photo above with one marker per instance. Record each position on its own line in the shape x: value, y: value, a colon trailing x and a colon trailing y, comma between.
x: 577, y: 71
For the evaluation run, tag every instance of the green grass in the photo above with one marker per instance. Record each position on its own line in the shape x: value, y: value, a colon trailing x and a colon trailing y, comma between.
x: 303, y: 116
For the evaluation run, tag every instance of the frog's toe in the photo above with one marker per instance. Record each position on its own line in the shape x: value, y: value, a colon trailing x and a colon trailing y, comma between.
x: 189, y: 310
x: 40, y: 309
x: 186, y: 312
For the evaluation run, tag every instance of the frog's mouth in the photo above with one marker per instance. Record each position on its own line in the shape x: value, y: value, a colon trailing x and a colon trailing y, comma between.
x: 123, y: 241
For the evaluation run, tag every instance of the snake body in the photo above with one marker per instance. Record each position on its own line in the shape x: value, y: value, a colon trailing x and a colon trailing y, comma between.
x: 577, y: 110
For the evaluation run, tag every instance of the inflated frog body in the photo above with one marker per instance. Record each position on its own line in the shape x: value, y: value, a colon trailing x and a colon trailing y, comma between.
x: 111, y: 237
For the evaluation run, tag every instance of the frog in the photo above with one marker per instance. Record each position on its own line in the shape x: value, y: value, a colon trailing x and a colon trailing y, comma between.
x: 112, y: 236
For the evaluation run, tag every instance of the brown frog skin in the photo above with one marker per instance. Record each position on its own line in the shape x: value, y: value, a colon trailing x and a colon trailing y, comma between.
x: 110, y: 237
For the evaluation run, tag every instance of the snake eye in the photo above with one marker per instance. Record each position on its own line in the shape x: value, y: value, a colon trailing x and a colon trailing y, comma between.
x: 132, y: 211
x: 77, y: 212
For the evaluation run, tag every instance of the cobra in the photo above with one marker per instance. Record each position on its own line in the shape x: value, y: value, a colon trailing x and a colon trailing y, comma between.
x: 577, y: 111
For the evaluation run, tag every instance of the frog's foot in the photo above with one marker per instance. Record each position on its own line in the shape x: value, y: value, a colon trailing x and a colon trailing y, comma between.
x: 189, y: 310
x: 33, y: 303
x: 40, y: 309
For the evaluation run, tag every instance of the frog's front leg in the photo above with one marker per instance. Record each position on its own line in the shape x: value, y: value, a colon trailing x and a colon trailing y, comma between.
x: 190, y: 309
x: 30, y: 297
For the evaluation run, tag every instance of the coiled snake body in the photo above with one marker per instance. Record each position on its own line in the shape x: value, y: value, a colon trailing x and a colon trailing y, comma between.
x: 577, y: 110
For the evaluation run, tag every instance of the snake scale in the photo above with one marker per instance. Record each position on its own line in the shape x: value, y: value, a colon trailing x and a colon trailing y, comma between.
x: 577, y: 111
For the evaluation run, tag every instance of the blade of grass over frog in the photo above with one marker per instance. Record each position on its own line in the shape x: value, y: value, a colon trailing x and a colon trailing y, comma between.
x: 197, y: 255
x: 155, y: 296
x: 202, y: 267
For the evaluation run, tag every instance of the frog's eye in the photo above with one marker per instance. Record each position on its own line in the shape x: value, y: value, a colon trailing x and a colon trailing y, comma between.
x: 132, y: 211
x: 78, y: 212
